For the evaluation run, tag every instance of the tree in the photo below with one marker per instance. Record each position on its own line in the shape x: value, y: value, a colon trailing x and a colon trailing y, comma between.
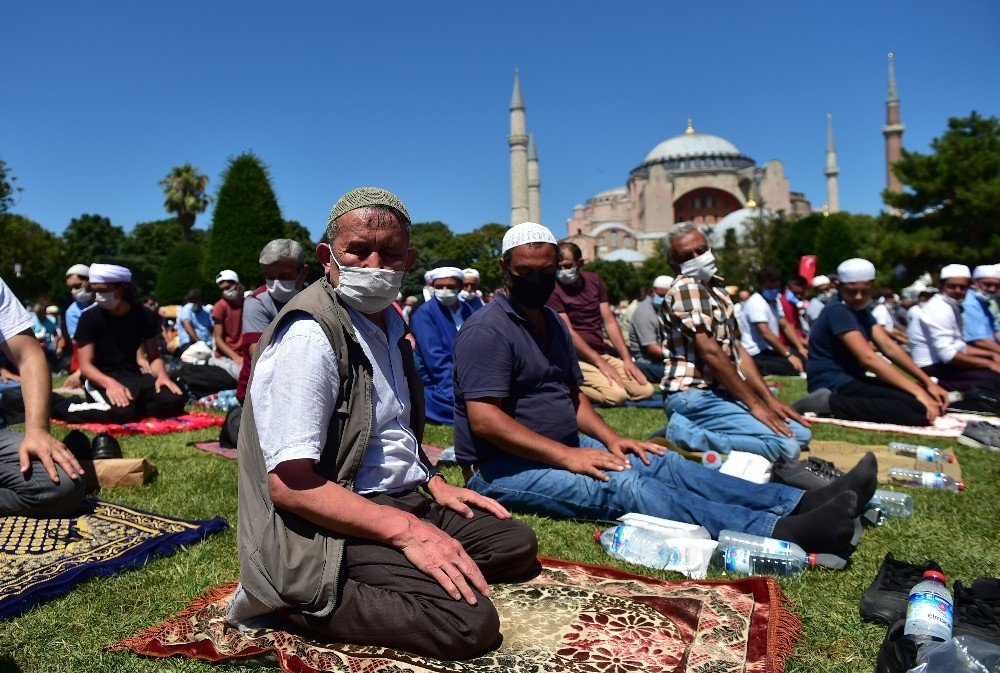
x: 146, y: 248
x: 7, y: 187
x: 40, y: 254
x: 620, y: 278
x: 949, y: 209
x: 246, y: 218
x: 432, y: 241
x: 480, y: 249
x: 92, y: 238
x: 184, y: 192
x: 180, y: 272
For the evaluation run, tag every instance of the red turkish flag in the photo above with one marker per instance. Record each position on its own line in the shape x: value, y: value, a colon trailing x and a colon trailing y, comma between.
x: 807, y: 267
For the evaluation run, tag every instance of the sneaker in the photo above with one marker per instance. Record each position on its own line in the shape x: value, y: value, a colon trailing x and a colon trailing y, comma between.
x: 808, y: 474
x: 977, y: 609
x: 105, y: 446
x: 885, y: 600
x: 898, y: 653
x: 78, y: 444
x: 981, y: 435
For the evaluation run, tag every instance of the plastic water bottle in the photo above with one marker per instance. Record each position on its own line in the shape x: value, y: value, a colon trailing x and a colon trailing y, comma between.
x: 637, y: 545
x: 926, y: 454
x: 711, y: 459
x: 929, y: 610
x: 757, y: 555
x: 893, y: 503
x: 936, y: 480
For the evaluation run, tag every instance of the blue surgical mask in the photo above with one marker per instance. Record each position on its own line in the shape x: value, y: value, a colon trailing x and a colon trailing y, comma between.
x: 657, y: 300
x: 771, y: 294
x: 790, y: 296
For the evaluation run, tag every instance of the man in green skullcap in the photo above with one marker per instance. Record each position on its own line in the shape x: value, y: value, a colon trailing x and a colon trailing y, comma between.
x: 334, y: 535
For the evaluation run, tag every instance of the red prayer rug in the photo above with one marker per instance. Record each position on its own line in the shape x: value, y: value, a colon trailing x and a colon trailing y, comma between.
x: 196, y: 420
x: 216, y: 448
x: 571, y: 617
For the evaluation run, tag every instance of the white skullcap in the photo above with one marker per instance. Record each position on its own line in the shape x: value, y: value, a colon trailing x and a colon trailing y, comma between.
x: 52, y: 310
x: 444, y: 272
x: 855, y: 270
x: 662, y: 282
x: 227, y: 274
x: 471, y: 272
x: 955, y: 271
x: 427, y: 277
x: 986, y: 271
x: 820, y: 280
x: 78, y: 270
x: 524, y: 233
x: 109, y: 273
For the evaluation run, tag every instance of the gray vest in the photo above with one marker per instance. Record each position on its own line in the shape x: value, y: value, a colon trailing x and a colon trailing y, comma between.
x: 286, y: 561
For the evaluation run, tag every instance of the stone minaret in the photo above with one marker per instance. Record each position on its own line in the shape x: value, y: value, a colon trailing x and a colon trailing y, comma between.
x: 518, y: 141
x: 534, y: 183
x: 893, y: 132
x: 831, y: 172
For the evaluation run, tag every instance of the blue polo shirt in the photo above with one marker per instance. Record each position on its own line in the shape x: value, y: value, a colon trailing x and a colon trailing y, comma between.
x: 977, y: 321
x: 499, y: 353
x: 831, y: 363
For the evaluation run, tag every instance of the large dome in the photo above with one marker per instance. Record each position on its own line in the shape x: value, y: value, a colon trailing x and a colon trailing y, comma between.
x: 692, y: 144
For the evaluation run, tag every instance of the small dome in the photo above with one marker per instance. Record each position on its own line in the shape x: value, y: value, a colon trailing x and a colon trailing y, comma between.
x: 611, y: 192
x: 692, y: 145
x: 625, y: 255
x: 736, y: 220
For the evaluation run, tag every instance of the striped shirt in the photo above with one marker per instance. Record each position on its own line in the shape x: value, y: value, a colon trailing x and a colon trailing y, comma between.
x: 691, y: 307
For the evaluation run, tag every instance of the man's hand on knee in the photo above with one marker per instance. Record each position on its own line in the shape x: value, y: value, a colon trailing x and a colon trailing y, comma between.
x: 434, y: 552
x: 41, y: 446
x: 462, y: 500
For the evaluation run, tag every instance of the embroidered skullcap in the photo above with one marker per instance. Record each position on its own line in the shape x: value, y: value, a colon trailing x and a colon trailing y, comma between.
x: 445, y: 272
x: 856, y: 270
x: 986, y: 271
x: 227, y: 274
x: 820, y: 280
x: 471, y: 272
x: 109, y: 273
x: 955, y: 271
x: 78, y: 270
x: 662, y: 282
x: 524, y: 233
x: 361, y: 197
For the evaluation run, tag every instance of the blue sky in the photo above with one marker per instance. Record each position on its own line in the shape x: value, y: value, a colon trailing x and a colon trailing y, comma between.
x: 101, y: 99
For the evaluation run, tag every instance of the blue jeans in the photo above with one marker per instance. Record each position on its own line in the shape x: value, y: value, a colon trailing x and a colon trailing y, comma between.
x: 701, y: 420
x: 669, y: 487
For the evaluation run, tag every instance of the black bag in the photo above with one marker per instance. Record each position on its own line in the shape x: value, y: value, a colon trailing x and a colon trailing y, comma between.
x: 201, y: 380
x: 231, y: 428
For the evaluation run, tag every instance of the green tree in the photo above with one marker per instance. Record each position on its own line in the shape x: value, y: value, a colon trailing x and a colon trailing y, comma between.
x: 246, y: 218
x: 732, y: 264
x: 182, y: 271
x: 7, y: 187
x: 950, y: 205
x: 147, y: 246
x: 480, y: 249
x: 40, y: 254
x: 184, y: 194
x: 620, y: 278
x: 92, y: 238
x: 433, y: 242
x: 655, y: 265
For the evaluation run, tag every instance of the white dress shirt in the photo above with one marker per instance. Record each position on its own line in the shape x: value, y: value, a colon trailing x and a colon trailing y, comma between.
x: 756, y: 310
x: 935, y: 332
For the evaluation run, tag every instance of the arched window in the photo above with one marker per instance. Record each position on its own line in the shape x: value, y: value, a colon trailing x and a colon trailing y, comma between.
x: 600, y: 241
x: 614, y: 239
x: 629, y: 242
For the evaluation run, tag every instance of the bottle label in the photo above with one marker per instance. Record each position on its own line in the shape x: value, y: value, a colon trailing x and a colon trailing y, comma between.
x: 932, y: 479
x: 930, y: 612
x: 617, y: 542
x: 737, y: 560
x: 927, y: 454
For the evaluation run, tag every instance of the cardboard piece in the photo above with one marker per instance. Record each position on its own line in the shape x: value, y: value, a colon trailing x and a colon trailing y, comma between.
x: 846, y: 455
x: 117, y: 472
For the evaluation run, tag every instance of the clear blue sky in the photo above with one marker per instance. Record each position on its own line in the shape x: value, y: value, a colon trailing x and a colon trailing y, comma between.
x: 101, y: 99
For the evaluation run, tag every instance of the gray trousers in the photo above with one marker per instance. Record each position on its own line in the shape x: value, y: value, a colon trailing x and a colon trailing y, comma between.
x: 34, y: 494
x: 385, y: 600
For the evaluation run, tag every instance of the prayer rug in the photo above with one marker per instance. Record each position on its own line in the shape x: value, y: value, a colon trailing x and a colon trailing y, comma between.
x: 45, y: 558
x: 216, y: 448
x: 948, y: 426
x: 196, y: 420
x: 846, y: 455
x: 571, y: 617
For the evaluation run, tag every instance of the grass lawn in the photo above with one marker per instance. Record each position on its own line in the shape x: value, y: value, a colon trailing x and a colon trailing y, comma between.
x: 960, y: 531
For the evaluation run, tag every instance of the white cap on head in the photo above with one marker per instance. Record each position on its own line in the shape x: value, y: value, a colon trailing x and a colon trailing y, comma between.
x: 820, y: 280
x: 662, y: 282
x: 524, y: 233
x: 227, y: 274
x: 955, y: 271
x: 444, y: 272
x: 109, y: 273
x: 471, y: 272
x: 855, y: 270
x: 78, y: 270
x: 986, y: 271
x: 52, y: 310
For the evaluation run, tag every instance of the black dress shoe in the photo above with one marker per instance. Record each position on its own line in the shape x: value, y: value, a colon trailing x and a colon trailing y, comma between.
x: 977, y: 610
x: 78, y: 444
x: 898, y: 653
x: 808, y: 474
x: 105, y: 446
x: 885, y: 600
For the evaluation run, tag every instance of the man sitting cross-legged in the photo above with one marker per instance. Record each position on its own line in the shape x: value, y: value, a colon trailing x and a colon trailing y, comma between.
x: 519, y: 411
x: 334, y: 535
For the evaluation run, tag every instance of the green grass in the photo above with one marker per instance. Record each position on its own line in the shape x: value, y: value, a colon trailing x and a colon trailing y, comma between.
x: 960, y: 531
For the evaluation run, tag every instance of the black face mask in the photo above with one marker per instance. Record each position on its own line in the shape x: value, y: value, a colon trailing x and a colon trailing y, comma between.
x: 531, y: 290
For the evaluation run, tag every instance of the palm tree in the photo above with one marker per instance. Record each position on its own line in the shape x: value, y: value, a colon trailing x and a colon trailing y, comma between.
x: 184, y: 189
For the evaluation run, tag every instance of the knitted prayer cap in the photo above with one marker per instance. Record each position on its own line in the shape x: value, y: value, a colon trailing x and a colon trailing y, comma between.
x: 524, y: 233
x: 360, y: 197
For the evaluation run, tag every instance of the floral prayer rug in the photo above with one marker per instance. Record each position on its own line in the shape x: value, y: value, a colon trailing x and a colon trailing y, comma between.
x: 196, y: 420
x: 571, y: 617
x: 948, y: 426
x: 45, y: 558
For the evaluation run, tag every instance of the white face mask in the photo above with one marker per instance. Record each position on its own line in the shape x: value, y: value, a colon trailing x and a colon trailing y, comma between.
x: 466, y: 295
x: 447, y: 297
x: 983, y: 294
x: 232, y: 293
x: 700, y: 268
x: 367, y: 290
x: 951, y: 300
x: 281, y: 290
x: 107, y: 300
x: 82, y: 295
x: 568, y: 276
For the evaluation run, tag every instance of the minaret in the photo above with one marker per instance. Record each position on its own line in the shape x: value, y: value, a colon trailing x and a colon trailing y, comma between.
x: 893, y: 132
x: 518, y: 141
x: 831, y: 172
x: 534, y: 183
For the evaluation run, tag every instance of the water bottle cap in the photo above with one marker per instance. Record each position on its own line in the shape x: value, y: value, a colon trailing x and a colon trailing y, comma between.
x: 961, y: 486
x: 597, y: 536
x: 949, y: 458
x: 812, y: 560
x: 935, y: 575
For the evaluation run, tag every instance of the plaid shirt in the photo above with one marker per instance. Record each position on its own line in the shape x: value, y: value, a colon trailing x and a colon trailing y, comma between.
x: 691, y: 307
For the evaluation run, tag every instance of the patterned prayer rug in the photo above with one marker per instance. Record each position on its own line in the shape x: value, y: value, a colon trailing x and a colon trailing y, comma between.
x: 196, y: 420
x: 216, y: 448
x: 948, y: 426
x: 45, y: 558
x: 571, y: 617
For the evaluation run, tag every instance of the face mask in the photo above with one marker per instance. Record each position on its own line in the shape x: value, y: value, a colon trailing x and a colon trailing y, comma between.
x: 826, y: 296
x: 531, y: 290
x: 466, y: 295
x: 82, y: 295
x: 984, y: 295
x: 367, y: 290
x: 568, y: 276
x: 281, y: 290
x: 447, y: 297
x: 951, y: 301
x: 790, y: 296
x: 770, y: 295
x: 231, y: 293
x: 107, y: 300
x: 701, y: 268
x: 657, y: 300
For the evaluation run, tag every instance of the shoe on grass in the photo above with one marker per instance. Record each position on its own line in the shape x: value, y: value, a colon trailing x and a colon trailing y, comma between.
x: 78, y: 444
x: 981, y: 435
x: 808, y: 474
x: 105, y: 446
x: 885, y: 600
x: 977, y: 609
x: 898, y: 652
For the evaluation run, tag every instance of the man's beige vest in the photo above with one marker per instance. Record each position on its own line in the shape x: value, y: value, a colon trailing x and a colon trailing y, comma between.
x: 286, y: 561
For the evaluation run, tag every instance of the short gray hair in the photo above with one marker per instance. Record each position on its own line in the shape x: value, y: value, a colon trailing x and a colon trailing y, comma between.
x: 679, y: 231
x: 281, y: 249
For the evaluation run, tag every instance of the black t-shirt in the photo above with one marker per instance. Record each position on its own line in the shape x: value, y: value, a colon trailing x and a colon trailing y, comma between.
x: 116, y: 338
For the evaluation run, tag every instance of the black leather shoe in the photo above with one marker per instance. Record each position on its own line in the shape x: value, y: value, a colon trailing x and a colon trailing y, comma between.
x: 807, y: 474
x: 898, y: 653
x: 105, y: 446
x: 885, y: 600
x: 977, y: 610
x: 78, y: 444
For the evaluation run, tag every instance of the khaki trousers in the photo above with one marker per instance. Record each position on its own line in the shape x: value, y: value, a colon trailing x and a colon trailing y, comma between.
x: 601, y: 390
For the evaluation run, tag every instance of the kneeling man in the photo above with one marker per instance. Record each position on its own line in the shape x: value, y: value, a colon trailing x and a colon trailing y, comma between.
x: 334, y: 535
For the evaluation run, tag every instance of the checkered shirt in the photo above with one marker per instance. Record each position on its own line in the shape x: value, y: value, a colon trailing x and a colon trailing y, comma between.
x: 691, y: 307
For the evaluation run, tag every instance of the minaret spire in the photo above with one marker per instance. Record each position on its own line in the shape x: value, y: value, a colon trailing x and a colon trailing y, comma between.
x: 893, y: 131
x: 534, y: 183
x: 832, y: 170
x: 518, y: 141
x: 892, y: 95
